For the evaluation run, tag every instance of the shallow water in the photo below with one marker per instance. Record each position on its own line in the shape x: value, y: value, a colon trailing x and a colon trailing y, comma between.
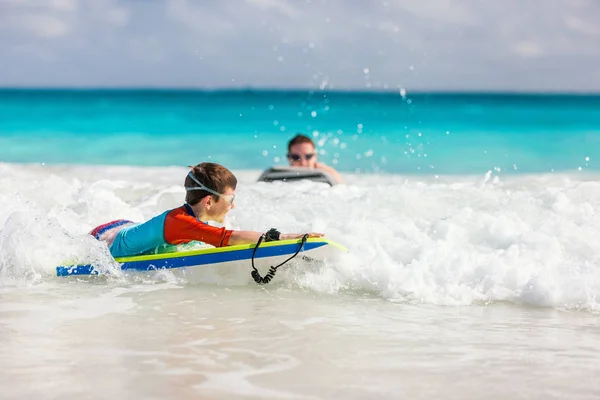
x: 165, y: 340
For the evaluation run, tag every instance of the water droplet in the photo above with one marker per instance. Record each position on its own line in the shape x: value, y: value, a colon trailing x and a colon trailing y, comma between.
x: 313, y: 114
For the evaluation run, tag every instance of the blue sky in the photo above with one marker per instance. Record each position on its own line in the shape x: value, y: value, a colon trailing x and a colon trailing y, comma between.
x: 531, y: 45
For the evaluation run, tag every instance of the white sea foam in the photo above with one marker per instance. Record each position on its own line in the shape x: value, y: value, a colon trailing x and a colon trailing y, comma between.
x: 450, y: 240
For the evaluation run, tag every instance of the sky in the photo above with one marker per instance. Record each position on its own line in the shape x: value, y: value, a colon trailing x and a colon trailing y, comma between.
x: 446, y: 45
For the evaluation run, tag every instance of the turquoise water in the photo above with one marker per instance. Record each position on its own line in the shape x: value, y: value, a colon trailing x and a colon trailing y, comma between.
x: 356, y: 132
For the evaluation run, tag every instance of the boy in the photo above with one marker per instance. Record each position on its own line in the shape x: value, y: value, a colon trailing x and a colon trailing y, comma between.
x: 210, y: 193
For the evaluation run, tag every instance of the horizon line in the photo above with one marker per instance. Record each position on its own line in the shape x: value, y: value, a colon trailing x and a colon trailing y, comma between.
x: 396, y: 90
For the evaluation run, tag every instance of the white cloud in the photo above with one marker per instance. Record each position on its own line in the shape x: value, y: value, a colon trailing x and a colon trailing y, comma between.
x: 199, y: 19
x: 450, y: 44
x: 118, y: 16
x: 585, y: 27
x: 528, y: 49
x: 63, y: 5
x: 282, y: 6
x: 444, y: 11
x: 38, y: 25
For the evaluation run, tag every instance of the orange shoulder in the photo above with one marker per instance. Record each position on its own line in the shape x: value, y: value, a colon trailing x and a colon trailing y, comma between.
x: 181, y: 227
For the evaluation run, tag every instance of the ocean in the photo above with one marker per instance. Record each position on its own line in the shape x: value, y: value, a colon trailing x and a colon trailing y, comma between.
x: 357, y: 132
x: 470, y: 221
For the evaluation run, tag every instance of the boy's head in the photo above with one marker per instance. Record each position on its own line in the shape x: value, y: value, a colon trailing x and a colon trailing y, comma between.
x: 301, y: 152
x: 216, y: 179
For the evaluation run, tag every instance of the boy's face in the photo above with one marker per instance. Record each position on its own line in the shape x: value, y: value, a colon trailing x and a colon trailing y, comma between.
x: 220, y: 208
x: 302, y: 155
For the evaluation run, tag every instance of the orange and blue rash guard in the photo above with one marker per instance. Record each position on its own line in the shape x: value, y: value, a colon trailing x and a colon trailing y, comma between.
x: 176, y: 226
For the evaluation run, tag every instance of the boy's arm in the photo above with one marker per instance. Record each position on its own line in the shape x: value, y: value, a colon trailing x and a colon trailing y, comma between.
x: 248, y: 237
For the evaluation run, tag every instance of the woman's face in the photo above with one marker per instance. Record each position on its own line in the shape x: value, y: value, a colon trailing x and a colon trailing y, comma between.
x: 302, y: 155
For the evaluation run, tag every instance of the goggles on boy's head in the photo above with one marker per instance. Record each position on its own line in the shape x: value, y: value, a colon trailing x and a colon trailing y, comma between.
x: 228, y: 197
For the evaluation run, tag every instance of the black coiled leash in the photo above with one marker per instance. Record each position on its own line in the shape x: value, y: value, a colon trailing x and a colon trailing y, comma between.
x: 272, y: 234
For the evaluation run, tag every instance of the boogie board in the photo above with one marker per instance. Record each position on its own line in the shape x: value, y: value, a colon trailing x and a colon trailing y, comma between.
x: 293, y: 174
x: 267, y: 254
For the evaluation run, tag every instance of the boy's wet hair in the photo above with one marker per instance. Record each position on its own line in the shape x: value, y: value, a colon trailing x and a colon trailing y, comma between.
x: 299, y: 139
x: 212, y: 175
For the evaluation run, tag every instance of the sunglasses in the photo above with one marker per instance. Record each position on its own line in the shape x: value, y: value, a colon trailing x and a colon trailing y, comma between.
x: 227, y: 197
x: 298, y: 157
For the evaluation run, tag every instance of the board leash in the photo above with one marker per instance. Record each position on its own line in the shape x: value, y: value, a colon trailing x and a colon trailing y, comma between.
x: 267, y: 278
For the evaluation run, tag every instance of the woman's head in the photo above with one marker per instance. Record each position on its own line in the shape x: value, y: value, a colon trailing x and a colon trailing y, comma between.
x: 302, y: 152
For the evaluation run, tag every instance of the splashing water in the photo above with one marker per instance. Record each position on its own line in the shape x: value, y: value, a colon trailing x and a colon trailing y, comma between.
x: 451, y: 241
